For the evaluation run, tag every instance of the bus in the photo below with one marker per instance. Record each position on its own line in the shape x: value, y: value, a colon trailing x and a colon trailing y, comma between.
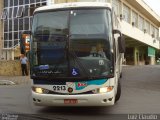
x: 76, y: 52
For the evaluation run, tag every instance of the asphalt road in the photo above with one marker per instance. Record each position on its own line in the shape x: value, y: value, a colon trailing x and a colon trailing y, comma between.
x: 140, y: 95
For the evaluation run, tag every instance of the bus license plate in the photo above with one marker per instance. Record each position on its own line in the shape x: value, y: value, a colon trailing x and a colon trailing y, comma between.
x: 70, y: 101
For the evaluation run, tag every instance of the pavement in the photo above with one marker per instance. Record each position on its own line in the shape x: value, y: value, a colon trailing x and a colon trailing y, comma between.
x: 18, y: 80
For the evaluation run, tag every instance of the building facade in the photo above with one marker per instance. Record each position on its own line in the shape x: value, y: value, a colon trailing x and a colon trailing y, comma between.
x: 16, y: 17
x: 140, y: 26
x: 1, y: 28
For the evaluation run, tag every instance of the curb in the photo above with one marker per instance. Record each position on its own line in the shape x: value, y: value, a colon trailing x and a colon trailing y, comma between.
x: 18, y: 80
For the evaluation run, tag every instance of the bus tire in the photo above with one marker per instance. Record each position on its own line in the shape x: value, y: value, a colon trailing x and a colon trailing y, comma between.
x: 118, y: 95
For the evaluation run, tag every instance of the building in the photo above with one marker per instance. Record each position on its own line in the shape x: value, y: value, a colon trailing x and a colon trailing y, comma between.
x: 1, y: 29
x: 16, y: 17
x: 140, y: 26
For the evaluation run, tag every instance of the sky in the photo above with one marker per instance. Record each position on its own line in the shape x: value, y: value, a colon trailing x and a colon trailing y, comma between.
x: 154, y: 4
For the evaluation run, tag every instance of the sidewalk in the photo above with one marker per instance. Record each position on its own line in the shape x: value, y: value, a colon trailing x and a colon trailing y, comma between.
x: 17, y: 79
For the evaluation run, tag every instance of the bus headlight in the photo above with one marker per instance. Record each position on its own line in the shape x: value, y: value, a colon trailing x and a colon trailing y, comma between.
x: 40, y: 90
x: 105, y: 89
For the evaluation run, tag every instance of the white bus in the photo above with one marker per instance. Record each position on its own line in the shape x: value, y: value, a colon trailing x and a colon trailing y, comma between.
x: 75, y: 55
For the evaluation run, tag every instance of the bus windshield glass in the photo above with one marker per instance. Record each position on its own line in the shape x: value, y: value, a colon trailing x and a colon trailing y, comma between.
x: 72, y: 43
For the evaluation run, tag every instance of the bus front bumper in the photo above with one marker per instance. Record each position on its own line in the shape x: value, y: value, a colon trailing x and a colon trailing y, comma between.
x: 105, y: 99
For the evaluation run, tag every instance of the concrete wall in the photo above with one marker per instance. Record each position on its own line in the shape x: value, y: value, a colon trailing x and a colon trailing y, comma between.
x: 139, y: 35
x: 10, y: 68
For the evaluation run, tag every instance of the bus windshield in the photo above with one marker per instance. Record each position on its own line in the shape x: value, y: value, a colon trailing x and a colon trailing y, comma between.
x: 72, y: 43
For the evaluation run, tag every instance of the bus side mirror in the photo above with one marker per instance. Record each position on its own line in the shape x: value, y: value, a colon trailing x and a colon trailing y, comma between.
x: 121, y: 44
x: 25, y: 42
x: 121, y: 41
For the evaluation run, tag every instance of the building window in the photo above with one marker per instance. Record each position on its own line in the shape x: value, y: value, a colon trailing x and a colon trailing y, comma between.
x: 15, y: 35
x: 141, y: 23
x: 115, y: 4
x: 5, y: 3
x: 38, y: 0
x: 15, y: 2
x: 147, y: 27
x: 152, y: 32
x: 10, y: 12
x: 134, y: 19
x: 16, y: 24
x: 5, y: 36
x: 6, y: 26
x: 26, y: 11
x: 10, y: 36
x: 20, y: 11
x: 19, y: 34
x: 10, y: 44
x: 10, y: 25
x: 20, y: 2
x: 156, y: 33
x: 5, y: 44
x: 15, y: 42
x: 15, y: 12
x: 26, y: 1
x: 21, y: 24
x: 126, y: 12
x: 32, y: 1
x: 11, y: 2
x: 26, y: 23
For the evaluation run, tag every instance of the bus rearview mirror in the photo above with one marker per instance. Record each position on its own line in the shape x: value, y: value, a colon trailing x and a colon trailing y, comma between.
x: 121, y: 44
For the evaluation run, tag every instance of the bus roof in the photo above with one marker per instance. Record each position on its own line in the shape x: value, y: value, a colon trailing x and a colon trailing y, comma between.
x: 74, y: 5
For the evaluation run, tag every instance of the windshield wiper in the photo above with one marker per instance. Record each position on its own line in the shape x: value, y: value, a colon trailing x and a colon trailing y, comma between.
x: 75, y: 58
